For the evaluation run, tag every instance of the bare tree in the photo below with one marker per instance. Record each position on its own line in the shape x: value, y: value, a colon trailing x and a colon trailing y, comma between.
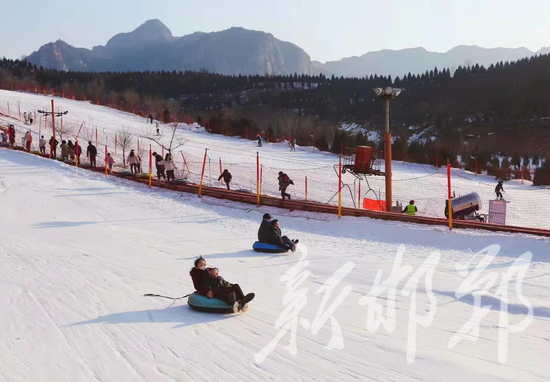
x: 63, y: 130
x: 175, y: 142
x: 124, y: 142
x: 131, y: 97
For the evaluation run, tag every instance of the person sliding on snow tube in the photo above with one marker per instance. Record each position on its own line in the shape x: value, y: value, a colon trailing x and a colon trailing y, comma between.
x: 229, y: 293
x: 198, y: 275
x: 277, y: 238
x: 265, y: 231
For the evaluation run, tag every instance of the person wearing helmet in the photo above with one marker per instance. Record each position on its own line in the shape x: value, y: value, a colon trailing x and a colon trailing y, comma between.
x: 411, y: 209
x: 499, y: 189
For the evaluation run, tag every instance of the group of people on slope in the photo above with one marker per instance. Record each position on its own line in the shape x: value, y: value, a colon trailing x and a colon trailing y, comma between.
x: 165, y: 167
x: 69, y: 150
x: 209, y: 283
x: 28, y: 118
x: 270, y: 233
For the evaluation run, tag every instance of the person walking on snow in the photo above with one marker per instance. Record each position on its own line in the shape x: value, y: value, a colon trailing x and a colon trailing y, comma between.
x: 159, y: 163
x: 169, y: 166
x: 4, y: 138
x: 259, y: 140
x: 132, y: 161
x: 53, y: 147
x: 410, y: 209
x: 110, y: 161
x: 284, y: 182
x: 26, y: 118
x: 11, y: 135
x: 91, y: 153
x: 293, y: 145
x: 31, y: 118
x: 64, y: 150
x: 499, y: 189
x: 42, y: 145
x: 226, y: 175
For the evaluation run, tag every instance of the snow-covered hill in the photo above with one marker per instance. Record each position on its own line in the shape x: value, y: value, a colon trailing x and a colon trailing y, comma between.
x: 426, y: 185
x: 79, y: 251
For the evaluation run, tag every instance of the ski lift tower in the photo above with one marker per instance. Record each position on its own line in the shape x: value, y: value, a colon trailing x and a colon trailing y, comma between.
x: 387, y: 94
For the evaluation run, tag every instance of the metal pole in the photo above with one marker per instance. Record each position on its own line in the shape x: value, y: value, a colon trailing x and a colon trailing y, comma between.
x: 53, y: 127
x: 387, y: 157
x: 257, y: 178
x: 449, y: 195
x: 306, y: 188
x: 340, y: 188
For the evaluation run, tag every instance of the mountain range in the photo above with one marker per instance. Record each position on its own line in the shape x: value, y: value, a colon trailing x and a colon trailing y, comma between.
x: 152, y: 47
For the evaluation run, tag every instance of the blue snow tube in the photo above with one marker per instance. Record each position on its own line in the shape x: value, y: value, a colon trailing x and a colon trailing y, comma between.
x: 269, y: 248
x: 209, y: 305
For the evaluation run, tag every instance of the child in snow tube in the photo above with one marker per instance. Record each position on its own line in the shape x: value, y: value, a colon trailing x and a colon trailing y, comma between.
x: 208, y: 283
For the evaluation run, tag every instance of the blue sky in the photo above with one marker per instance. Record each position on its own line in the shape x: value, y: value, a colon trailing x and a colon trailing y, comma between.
x: 326, y: 29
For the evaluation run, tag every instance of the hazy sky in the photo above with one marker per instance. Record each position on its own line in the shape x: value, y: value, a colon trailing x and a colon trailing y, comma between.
x: 325, y: 29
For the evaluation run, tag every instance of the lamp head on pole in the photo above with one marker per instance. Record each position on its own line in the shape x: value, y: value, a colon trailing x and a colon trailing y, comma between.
x: 387, y: 93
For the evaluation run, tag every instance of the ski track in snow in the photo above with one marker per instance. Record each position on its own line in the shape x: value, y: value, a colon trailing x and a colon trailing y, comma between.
x: 79, y: 251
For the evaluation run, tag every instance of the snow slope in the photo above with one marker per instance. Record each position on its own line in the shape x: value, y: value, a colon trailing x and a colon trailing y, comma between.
x: 530, y: 206
x: 424, y: 184
x: 79, y: 251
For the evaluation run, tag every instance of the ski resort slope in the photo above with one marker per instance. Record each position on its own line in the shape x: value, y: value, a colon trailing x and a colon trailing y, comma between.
x: 529, y: 206
x: 79, y: 251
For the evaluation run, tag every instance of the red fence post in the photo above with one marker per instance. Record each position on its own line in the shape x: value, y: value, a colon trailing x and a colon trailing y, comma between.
x: 340, y: 188
x: 221, y: 169
x: 306, y: 188
x: 521, y: 174
x: 150, y: 165
x: 202, y: 174
x: 84, y: 97
x: 106, y: 161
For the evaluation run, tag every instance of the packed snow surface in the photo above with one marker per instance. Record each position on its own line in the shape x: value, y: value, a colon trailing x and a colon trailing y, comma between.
x: 79, y: 251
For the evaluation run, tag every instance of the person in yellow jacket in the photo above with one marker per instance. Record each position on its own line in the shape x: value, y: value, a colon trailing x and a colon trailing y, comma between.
x: 410, y: 209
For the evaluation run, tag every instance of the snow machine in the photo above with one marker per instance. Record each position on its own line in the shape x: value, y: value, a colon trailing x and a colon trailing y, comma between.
x: 465, y: 207
x: 209, y: 305
x: 269, y: 248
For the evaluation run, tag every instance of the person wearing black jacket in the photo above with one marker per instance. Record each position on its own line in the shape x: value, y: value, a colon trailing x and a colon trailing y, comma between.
x: 278, y: 239
x: 226, y: 175
x: 91, y: 153
x: 265, y: 232
x: 230, y: 293
x: 198, y: 274
x: 159, y: 164
x: 284, y: 182
x: 53, y: 147
x: 499, y: 189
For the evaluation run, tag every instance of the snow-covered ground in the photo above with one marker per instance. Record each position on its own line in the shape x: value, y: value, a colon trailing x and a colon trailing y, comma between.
x: 426, y: 185
x: 78, y: 251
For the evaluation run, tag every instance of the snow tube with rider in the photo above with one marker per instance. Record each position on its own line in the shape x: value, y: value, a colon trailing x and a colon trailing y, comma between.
x: 269, y: 248
x: 209, y: 305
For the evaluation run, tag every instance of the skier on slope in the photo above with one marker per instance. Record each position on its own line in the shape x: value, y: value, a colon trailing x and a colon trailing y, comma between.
x: 259, y: 140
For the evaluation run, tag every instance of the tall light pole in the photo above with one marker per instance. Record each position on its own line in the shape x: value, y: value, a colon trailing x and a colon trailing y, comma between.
x: 387, y: 94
